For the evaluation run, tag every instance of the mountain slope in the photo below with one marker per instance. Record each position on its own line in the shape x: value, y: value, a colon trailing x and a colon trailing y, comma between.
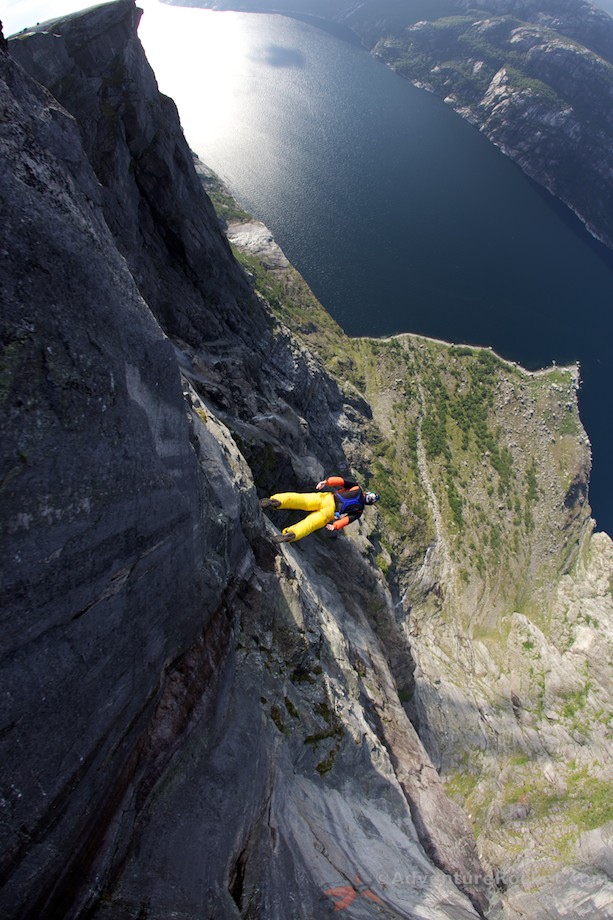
x: 510, y: 687
x: 199, y: 723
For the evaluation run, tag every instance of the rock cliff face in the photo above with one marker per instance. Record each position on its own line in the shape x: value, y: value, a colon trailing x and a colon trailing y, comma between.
x: 131, y: 517
x: 194, y: 721
x: 536, y: 77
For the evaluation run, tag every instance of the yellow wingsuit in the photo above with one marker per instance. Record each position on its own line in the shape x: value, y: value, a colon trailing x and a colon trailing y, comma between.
x: 333, y: 510
x: 321, y: 505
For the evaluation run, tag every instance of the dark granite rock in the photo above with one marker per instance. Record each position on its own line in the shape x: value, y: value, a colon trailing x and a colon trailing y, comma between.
x: 95, y: 66
x: 102, y: 508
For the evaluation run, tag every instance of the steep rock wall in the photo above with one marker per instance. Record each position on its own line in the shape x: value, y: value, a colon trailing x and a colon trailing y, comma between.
x: 132, y: 137
x: 127, y: 557
x: 103, y: 523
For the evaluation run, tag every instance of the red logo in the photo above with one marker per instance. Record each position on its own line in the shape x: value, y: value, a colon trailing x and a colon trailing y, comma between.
x: 344, y: 895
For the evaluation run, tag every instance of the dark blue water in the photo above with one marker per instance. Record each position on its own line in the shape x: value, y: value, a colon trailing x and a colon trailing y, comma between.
x: 402, y: 217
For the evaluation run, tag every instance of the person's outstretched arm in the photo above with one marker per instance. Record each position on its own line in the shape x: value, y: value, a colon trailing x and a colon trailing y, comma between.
x: 336, y: 482
x: 342, y: 521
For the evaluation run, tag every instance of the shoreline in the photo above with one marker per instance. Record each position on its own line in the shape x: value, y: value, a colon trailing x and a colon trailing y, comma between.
x: 254, y: 237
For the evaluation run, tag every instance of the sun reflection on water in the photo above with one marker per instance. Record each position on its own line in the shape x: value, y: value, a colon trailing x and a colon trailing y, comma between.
x: 181, y: 48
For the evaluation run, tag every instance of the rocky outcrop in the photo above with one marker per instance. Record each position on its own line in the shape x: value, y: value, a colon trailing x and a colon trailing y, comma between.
x: 580, y: 20
x: 197, y: 722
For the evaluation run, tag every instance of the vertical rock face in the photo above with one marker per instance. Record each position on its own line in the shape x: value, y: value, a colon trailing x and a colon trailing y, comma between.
x: 154, y: 205
x: 164, y: 225
x: 104, y: 529
x: 129, y: 514
x: 196, y: 722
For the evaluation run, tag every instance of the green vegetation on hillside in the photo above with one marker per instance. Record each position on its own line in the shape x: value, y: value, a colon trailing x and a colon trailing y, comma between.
x: 466, y: 410
x: 466, y: 451
x: 226, y: 207
x: 444, y: 400
x: 463, y: 53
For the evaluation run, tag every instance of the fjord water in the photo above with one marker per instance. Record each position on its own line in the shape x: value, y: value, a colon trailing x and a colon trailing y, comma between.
x: 398, y: 213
